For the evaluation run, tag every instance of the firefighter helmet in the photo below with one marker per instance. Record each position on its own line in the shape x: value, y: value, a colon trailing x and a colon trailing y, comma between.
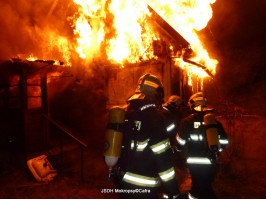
x: 197, y: 101
x: 150, y: 85
x: 175, y: 100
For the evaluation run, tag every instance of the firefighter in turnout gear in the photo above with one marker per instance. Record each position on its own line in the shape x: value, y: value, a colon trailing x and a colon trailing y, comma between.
x: 172, y: 117
x: 204, y: 137
x: 145, y: 163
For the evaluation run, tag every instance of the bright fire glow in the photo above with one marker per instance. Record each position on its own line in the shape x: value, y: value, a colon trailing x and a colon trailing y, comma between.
x: 121, y: 27
x: 89, y: 27
x: 187, y: 17
x: 54, y: 46
x: 118, y: 25
x: 31, y: 58
x: 133, y: 39
x: 122, y: 31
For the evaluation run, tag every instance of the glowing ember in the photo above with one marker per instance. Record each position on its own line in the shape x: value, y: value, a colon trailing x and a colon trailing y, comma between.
x: 53, y: 75
x: 31, y: 58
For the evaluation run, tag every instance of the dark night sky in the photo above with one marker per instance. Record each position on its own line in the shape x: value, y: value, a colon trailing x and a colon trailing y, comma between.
x: 236, y: 35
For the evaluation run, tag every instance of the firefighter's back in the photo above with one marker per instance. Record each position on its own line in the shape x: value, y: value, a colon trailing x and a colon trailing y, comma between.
x: 146, y: 147
x: 137, y: 163
x: 145, y: 162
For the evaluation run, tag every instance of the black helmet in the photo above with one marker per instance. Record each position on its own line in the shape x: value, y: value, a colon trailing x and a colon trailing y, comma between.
x: 150, y: 86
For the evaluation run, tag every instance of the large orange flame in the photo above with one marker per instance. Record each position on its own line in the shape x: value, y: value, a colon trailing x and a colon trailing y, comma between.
x: 132, y: 41
x: 121, y: 31
x: 89, y: 27
x: 187, y: 17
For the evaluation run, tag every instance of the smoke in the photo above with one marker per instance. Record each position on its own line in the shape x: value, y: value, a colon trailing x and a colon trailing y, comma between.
x: 81, y: 106
x: 236, y: 36
x: 43, y: 29
x: 37, y: 28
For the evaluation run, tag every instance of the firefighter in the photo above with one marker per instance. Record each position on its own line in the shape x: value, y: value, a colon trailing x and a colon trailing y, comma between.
x: 171, y: 110
x: 145, y: 163
x: 174, y: 111
x: 204, y: 137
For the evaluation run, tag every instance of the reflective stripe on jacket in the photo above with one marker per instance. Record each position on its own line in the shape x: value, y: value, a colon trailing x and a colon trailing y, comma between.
x: 146, y: 156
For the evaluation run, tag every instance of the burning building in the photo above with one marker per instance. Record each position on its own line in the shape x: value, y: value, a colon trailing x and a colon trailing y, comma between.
x: 105, y: 46
x: 145, y: 43
x: 125, y: 39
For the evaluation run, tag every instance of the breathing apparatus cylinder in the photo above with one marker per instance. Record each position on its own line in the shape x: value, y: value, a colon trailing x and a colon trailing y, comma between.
x: 114, y: 136
x: 211, y: 132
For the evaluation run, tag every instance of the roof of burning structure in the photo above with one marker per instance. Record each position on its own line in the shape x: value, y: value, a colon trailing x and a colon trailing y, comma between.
x: 179, y: 40
x: 16, y: 66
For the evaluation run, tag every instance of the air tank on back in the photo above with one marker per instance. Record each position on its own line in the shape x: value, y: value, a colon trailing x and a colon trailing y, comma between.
x: 114, y: 137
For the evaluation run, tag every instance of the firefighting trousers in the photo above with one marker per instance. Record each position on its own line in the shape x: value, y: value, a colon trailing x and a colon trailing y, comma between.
x: 202, y: 177
x: 131, y: 191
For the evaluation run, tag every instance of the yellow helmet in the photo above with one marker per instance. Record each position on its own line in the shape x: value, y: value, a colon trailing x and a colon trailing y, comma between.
x: 197, y: 101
